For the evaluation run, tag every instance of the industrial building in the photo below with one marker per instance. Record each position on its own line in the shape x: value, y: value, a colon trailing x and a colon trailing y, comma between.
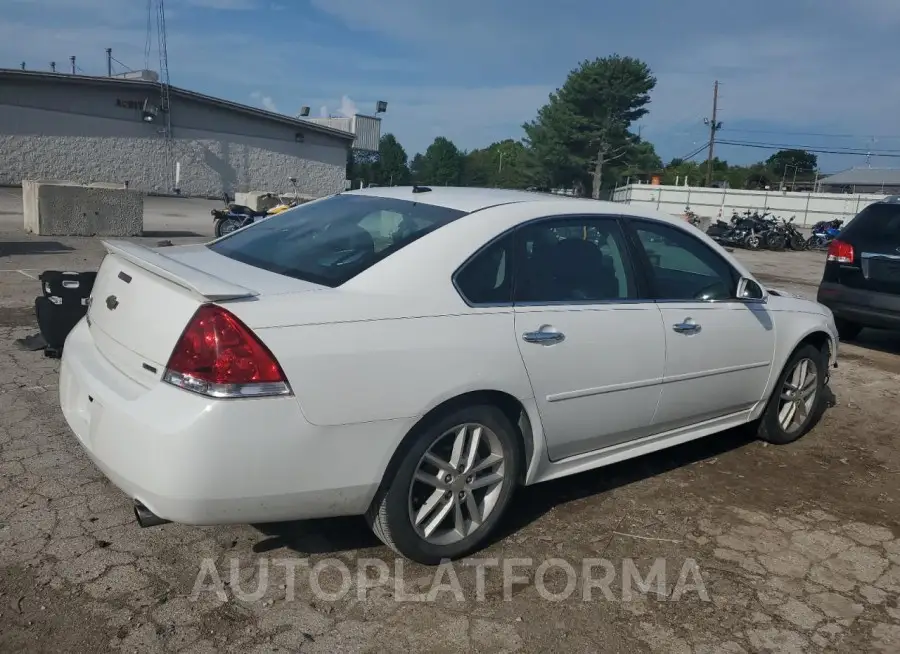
x: 161, y: 139
x: 878, y: 181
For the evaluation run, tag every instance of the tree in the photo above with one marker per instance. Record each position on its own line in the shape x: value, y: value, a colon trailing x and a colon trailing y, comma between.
x: 506, y: 164
x: 787, y: 166
x: 417, y: 168
x: 362, y: 168
x: 585, y: 125
x: 392, y: 162
x: 792, y: 161
x: 442, y: 164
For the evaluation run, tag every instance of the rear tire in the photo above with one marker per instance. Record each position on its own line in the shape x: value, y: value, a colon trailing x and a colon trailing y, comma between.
x: 438, y: 475
x: 797, y: 398
x: 847, y: 330
x: 226, y: 226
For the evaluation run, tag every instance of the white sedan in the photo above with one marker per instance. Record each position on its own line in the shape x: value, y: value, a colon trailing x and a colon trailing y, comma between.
x: 413, y: 355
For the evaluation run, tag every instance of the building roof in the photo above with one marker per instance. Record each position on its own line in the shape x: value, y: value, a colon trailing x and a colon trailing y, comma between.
x: 90, y: 80
x: 863, y: 177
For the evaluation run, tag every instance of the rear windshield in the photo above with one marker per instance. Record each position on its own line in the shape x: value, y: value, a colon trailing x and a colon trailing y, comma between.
x: 880, y: 221
x: 331, y: 241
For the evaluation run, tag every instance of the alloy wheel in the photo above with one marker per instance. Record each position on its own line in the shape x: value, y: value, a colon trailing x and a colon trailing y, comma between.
x: 798, y: 396
x: 457, y: 484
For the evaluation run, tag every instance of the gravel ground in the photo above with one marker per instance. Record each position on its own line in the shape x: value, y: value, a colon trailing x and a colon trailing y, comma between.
x: 757, y: 548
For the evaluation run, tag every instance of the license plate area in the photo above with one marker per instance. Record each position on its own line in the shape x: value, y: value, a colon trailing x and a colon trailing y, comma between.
x: 881, y: 268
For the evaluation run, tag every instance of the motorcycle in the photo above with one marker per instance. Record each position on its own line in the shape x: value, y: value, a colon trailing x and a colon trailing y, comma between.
x: 237, y: 216
x: 691, y: 217
x: 745, y: 231
x: 720, y: 227
x: 795, y: 240
x: 823, y: 233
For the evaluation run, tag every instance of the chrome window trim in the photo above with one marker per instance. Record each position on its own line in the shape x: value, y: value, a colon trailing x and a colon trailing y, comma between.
x: 634, y: 221
x: 589, y: 216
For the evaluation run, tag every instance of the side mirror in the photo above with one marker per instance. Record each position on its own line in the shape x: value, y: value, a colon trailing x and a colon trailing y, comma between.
x: 750, y: 292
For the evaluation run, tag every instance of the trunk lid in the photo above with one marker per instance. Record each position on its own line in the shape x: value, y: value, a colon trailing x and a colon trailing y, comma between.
x: 143, y: 299
x: 875, y: 237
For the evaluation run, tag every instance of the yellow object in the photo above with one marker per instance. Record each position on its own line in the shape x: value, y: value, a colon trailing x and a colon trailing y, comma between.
x: 278, y: 209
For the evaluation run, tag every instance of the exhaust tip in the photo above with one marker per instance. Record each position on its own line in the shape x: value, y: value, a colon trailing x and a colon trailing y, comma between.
x: 145, y: 517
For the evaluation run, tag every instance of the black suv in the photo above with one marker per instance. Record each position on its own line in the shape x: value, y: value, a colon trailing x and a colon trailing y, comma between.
x: 861, y: 282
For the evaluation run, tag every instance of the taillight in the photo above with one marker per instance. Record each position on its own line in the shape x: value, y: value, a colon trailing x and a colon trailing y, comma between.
x: 840, y: 252
x: 218, y: 356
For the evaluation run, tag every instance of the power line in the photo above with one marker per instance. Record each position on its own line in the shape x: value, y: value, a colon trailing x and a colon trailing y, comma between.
x: 782, y: 146
x: 819, y: 134
x: 694, y: 153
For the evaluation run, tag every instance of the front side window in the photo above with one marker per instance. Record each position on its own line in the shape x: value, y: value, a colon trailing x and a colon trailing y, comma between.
x: 330, y: 241
x: 683, y: 267
x: 572, y: 260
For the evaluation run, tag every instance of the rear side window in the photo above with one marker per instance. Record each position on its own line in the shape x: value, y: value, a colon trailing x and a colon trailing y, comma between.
x: 880, y: 221
x: 330, y: 241
x: 487, y: 277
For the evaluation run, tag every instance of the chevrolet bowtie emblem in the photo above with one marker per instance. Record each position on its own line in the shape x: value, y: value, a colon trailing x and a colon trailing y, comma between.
x: 112, y: 302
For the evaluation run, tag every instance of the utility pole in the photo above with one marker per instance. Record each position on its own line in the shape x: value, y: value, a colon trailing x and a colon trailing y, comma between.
x: 23, y: 65
x: 72, y: 59
x: 53, y: 66
x: 714, y: 126
x: 109, y: 62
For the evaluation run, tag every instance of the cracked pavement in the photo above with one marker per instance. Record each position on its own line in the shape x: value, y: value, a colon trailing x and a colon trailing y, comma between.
x: 798, y: 547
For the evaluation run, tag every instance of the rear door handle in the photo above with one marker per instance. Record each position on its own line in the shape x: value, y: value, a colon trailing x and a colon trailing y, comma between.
x: 686, y: 327
x: 544, y: 336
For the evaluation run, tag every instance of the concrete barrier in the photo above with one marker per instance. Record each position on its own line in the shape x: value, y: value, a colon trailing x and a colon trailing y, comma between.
x: 63, y: 208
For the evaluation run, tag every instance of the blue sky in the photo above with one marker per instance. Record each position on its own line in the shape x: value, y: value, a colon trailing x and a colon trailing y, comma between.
x: 819, y: 73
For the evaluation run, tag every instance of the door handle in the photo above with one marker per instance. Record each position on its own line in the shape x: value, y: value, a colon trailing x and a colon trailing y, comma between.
x: 544, y: 336
x: 686, y: 327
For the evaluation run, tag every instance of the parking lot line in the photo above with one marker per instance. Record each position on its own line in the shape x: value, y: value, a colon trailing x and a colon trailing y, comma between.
x: 22, y: 271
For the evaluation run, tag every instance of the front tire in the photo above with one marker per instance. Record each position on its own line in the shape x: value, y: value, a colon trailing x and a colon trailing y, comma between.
x: 797, y: 398
x: 797, y: 243
x: 451, y: 487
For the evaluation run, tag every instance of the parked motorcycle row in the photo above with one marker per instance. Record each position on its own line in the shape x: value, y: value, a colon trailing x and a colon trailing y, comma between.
x: 761, y: 230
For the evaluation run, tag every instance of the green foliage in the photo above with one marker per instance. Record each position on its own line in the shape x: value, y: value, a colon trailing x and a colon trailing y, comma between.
x: 506, y: 164
x: 581, y: 136
x: 392, y: 162
x: 791, y: 161
x: 441, y: 165
x: 387, y: 167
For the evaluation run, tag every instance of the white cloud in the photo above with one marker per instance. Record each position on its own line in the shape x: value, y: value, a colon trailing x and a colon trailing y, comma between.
x: 474, y: 71
x: 266, y: 101
x: 348, y: 107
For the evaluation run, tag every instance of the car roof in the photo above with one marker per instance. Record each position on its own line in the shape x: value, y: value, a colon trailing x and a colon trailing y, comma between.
x: 470, y: 199
x: 466, y: 199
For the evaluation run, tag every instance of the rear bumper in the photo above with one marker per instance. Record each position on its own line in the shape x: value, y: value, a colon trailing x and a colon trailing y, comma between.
x: 198, y: 461
x: 867, y: 308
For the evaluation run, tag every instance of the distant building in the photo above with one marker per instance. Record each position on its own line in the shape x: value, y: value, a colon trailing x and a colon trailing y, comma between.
x: 862, y: 180
x: 115, y: 129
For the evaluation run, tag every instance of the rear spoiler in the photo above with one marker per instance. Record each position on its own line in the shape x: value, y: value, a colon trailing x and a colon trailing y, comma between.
x: 201, y: 283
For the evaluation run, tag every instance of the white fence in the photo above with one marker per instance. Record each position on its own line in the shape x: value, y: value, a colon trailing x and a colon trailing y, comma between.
x: 710, y: 203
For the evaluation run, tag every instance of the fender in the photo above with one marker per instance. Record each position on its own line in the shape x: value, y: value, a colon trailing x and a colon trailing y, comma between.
x: 790, y: 333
